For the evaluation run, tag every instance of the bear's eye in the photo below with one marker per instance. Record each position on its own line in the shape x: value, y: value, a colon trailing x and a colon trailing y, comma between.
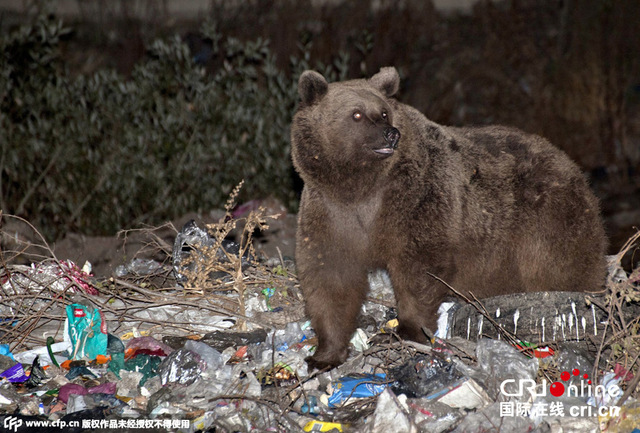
x: 384, y: 115
x: 357, y: 115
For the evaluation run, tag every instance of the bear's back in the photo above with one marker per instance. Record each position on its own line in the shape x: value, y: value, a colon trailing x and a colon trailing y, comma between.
x: 520, y: 196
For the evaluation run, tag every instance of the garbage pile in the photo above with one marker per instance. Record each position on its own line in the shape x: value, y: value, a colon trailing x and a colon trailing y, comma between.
x: 220, y: 344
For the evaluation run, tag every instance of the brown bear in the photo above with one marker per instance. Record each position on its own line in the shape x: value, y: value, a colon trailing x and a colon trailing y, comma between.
x: 491, y: 210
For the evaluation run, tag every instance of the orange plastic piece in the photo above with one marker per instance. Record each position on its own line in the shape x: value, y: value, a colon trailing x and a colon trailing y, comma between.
x: 103, y: 359
x: 241, y: 352
x: 128, y: 354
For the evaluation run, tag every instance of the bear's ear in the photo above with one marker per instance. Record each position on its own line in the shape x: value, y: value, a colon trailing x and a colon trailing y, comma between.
x: 387, y: 81
x: 311, y: 87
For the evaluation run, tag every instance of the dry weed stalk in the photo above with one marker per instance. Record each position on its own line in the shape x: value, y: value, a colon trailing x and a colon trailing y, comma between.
x: 219, y: 269
x: 154, y: 242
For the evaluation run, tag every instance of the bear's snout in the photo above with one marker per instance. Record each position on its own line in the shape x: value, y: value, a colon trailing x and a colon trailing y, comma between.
x: 391, y: 136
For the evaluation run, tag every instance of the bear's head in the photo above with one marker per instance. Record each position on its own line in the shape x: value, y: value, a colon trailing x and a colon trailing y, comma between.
x: 344, y: 130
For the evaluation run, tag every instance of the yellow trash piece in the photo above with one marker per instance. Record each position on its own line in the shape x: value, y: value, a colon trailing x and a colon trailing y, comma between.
x: 322, y: 426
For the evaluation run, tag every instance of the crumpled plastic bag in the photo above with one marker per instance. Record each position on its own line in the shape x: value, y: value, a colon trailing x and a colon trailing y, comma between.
x: 87, y: 331
x: 356, y: 386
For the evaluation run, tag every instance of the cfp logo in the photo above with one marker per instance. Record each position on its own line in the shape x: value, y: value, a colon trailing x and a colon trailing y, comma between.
x: 12, y: 423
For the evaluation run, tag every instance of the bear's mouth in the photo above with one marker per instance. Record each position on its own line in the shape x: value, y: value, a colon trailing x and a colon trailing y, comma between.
x: 384, y: 151
x: 391, y: 136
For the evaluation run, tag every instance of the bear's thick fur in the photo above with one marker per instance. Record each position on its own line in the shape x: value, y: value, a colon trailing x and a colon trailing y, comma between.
x: 491, y: 210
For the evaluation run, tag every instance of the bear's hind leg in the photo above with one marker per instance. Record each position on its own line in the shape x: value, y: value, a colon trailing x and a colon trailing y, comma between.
x: 417, y: 298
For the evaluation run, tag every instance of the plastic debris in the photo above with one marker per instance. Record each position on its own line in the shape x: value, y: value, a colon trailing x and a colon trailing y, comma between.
x: 36, y: 374
x: 392, y: 414
x: 190, y: 237
x: 146, y: 346
x: 359, y: 341
x: 356, y: 386
x: 105, y: 402
x: 188, y: 242
x: 611, y: 393
x: 490, y: 417
x: 5, y: 351
x: 314, y: 425
x: 146, y: 364
x: 570, y: 358
x: 74, y: 389
x: 433, y: 416
x: 501, y: 368
x: 139, y: 267
x: 312, y: 403
x: 425, y: 376
x: 87, y: 331
x: 444, y: 312
x: 28, y: 356
x: 280, y: 374
x: 212, y: 359
x: 13, y: 373
x: 465, y: 394
x: 58, y: 276
x: 182, y: 366
x: 538, y: 352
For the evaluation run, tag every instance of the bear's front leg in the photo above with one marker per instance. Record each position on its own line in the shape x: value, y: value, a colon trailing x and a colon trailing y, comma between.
x: 333, y: 295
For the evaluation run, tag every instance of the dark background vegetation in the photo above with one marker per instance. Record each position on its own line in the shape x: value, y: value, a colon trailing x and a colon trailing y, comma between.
x: 115, y: 117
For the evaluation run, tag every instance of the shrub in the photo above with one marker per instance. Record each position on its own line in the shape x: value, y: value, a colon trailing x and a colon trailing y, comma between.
x: 100, y: 152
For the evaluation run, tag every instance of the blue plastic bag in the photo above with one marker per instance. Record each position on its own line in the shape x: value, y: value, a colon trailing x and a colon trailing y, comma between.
x: 4, y: 350
x: 357, y: 386
x: 15, y: 374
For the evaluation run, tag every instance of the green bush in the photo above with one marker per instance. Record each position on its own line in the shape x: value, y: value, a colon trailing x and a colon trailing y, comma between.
x: 98, y: 153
